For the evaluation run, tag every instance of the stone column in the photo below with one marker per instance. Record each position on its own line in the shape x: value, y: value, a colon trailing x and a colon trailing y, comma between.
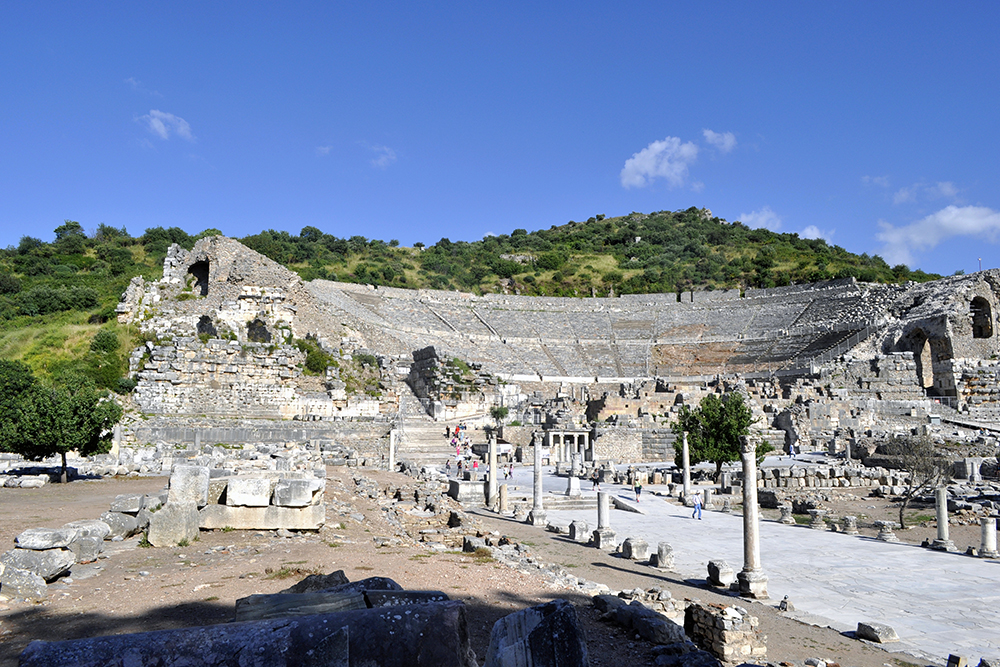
x: 491, y: 494
x: 942, y: 543
x: 573, y: 486
x: 850, y: 524
x: 604, y: 537
x: 817, y: 519
x: 116, y: 442
x: 504, y: 499
x: 988, y: 545
x: 392, y: 449
x: 686, y: 461
x: 786, y: 514
x: 537, y: 515
x: 752, y: 580
x: 707, y: 502
x: 197, y: 440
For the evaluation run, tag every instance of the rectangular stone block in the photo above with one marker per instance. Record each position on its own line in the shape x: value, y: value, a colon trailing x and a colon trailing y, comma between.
x: 249, y: 491
x: 129, y: 503
x: 189, y: 483
x: 173, y: 523
x: 297, y: 492
x: 214, y: 517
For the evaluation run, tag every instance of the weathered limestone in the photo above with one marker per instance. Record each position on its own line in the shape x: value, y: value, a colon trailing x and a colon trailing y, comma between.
x: 122, y: 525
x: 604, y: 537
x: 686, y: 462
x: 90, y: 528
x: 663, y: 559
x: 786, y: 514
x: 730, y: 634
x: 297, y: 492
x: 537, y: 515
x: 392, y: 449
x: 17, y: 583
x: 942, y: 543
x: 885, y: 531
x: 504, y: 495
x: 579, y: 531
x: 418, y: 635
x: 491, y: 461
x: 272, y: 517
x: 86, y: 548
x: 548, y: 634
x: 876, y: 632
x: 817, y: 519
x: 650, y: 624
x: 720, y: 573
x: 174, y: 523
x: 635, y: 548
x: 573, y: 487
x: 249, y: 491
x: 850, y: 525
x: 988, y: 543
x: 189, y: 483
x: 46, y: 538
x: 128, y: 502
x: 49, y: 564
x: 752, y: 580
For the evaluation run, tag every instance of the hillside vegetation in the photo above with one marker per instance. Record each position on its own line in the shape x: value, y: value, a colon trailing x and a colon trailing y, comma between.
x: 57, y: 298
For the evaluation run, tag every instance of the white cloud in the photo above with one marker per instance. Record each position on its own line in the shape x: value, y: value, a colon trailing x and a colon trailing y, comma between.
x: 667, y: 159
x: 814, y: 232
x: 725, y: 141
x: 765, y: 217
x: 901, y: 243
x: 928, y: 191
x: 881, y: 181
x: 137, y: 86
x: 163, y: 124
x: 323, y: 150
x: 386, y: 156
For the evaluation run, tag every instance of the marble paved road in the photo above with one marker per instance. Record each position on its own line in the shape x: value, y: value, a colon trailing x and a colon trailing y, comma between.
x: 938, y: 603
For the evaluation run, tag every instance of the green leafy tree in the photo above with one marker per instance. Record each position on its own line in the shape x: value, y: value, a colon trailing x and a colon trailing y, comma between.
x: 714, y: 429
x: 499, y: 413
x: 15, y: 380
x: 50, y: 421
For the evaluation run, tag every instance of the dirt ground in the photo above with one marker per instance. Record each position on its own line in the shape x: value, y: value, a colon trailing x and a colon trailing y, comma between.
x: 136, y: 589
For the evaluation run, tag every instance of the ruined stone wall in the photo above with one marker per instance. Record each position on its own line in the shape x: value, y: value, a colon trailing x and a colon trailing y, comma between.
x: 617, y: 444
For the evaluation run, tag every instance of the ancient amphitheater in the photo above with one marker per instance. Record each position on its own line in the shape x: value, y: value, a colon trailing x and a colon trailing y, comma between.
x: 852, y: 351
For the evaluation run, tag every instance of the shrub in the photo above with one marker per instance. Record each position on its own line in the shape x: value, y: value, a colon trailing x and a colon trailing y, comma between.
x: 105, y: 341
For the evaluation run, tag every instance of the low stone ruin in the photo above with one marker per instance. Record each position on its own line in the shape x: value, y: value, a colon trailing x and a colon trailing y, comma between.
x: 326, y: 620
x: 42, y: 555
x: 729, y: 633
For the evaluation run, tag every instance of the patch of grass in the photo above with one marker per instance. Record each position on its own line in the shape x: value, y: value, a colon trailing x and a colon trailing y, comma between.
x: 420, y: 557
x: 184, y: 543
x: 802, y: 519
x: 285, y: 572
x: 144, y: 542
x: 333, y: 545
x: 920, y: 518
x: 211, y: 598
x: 483, y: 555
x: 228, y: 529
x: 341, y: 526
x: 364, y: 568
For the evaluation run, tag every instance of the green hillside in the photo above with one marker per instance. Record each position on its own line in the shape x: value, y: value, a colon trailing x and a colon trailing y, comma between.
x: 56, y: 297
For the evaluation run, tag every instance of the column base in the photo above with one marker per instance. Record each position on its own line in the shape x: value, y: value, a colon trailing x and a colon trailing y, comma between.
x: 536, y: 517
x: 752, y: 584
x: 944, y: 545
x: 989, y: 554
x: 605, y: 539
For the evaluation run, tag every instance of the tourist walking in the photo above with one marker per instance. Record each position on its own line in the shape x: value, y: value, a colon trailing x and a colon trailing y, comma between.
x: 637, y: 487
x: 697, y: 506
x: 595, y: 480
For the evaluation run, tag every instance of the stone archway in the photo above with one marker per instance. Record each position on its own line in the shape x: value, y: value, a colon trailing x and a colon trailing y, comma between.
x: 200, y: 272
x: 982, y: 318
x: 928, y: 355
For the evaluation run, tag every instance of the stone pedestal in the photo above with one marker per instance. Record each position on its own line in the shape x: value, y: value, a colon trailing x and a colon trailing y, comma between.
x: 942, y: 543
x: 707, y: 502
x: 988, y: 544
x: 605, y: 539
x: 664, y: 557
x: 786, y: 514
x: 816, y: 519
x: 752, y: 580
x: 579, y: 531
x: 885, y: 529
x: 573, y: 487
x: 850, y: 525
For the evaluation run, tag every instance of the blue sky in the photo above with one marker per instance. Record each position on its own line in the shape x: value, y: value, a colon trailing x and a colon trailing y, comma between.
x: 873, y: 125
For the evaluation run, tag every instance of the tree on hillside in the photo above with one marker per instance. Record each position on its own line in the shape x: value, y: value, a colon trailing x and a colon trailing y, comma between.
x: 714, y: 429
x: 15, y: 380
x: 499, y: 413
x: 50, y: 421
x: 916, y: 456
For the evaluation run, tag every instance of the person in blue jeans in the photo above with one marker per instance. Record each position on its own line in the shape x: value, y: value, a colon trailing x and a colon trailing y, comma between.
x: 697, y: 506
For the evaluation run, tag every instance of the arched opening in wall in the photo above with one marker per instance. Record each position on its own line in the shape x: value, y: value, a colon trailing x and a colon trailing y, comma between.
x: 206, y: 327
x: 200, y: 272
x: 918, y: 343
x: 982, y: 318
x: 257, y: 332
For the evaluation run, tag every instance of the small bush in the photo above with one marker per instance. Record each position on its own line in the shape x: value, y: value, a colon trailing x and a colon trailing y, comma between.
x: 105, y: 341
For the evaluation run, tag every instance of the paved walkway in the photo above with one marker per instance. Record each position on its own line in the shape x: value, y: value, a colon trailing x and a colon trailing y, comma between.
x: 938, y: 603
